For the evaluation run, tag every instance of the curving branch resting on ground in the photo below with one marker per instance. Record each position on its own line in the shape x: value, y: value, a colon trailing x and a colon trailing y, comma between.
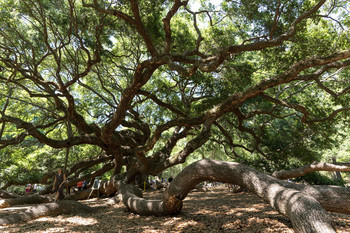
x: 5, y: 194
x: 37, y: 211
x: 315, y: 166
x: 304, y: 205
x: 26, y: 199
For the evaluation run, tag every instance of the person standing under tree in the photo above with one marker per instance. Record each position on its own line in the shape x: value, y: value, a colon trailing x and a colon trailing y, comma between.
x: 80, y: 185
x: 60, y: 178
x: 28, y: 187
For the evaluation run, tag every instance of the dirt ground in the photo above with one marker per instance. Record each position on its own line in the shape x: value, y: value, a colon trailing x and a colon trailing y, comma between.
x: 213, y: 211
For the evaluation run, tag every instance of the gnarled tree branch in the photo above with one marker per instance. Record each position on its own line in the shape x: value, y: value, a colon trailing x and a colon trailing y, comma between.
x: 315, y: 166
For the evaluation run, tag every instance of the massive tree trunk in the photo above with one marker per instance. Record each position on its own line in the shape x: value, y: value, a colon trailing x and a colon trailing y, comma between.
x: 304, y: 205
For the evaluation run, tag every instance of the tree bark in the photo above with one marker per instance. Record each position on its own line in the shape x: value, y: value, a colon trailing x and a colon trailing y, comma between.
x: 80, y: 195
x: 315, y: 166
x: 57, y: 208
x: 133, y: 200
x: 304, y: 205
x: 4, y: 194
x: 337, y: 173
x: 106, y: 188
x: 26, y: 199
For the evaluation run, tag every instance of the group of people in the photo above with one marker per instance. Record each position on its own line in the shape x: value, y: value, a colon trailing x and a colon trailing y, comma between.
x: 160, y: 183
x: 82, y: 185
x: 60, y: 180
x: 59, y: 185
x: 31, y: 188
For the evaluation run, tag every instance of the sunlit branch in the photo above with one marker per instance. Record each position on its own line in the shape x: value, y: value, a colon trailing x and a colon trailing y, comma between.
x: 166, y: 23
x: 276, y: 19
x: 32, y: 130
x: 297, y: 107
x: 315, y: 166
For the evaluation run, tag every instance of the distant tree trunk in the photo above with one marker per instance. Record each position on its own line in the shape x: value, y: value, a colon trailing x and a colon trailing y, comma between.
x: 66, y: 159
x: 140, y: 180
x: 301, y: 203
x: 70, y: 134
x: 337, y: 173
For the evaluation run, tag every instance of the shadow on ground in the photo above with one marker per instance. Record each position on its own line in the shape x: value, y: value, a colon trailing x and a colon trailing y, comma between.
x: 213, y: 211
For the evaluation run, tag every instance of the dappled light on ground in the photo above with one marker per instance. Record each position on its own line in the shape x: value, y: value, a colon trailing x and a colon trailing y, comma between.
x: 213, y: 211
x: 69, y: 220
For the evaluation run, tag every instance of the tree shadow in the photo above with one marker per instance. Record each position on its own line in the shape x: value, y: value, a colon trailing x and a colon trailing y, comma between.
x: 213, y: 211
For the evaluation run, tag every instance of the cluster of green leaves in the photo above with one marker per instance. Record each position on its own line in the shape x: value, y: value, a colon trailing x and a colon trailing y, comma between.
x: 285, y: 140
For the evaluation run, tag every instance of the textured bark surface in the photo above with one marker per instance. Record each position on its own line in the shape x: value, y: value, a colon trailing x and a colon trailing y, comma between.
x: 106, y: 188
x: 4, y: 194
x: 300, y: 203
x: 37, y: 211
x: 81, y: 195
x: 332, y: 198
x: 132, y: 198
x: 26, y: 199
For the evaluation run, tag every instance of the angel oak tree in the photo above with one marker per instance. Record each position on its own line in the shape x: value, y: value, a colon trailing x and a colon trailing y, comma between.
x: 149, y: 82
